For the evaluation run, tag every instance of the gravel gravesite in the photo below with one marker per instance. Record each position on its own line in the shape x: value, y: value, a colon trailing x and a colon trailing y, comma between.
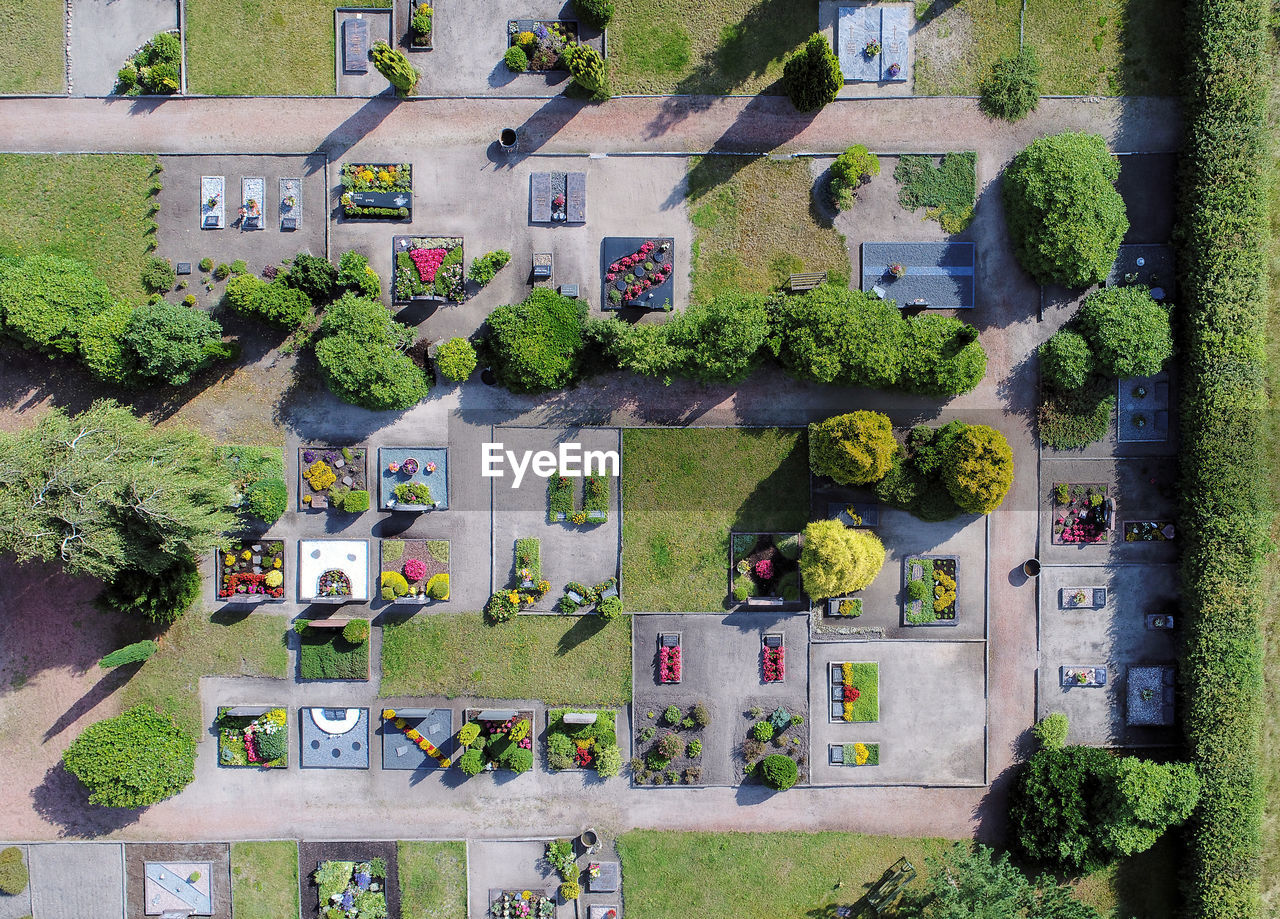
x: 865, y: 471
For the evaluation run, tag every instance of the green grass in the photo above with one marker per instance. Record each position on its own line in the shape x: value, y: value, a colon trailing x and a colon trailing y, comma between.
x: 947, y: 191
x: 325, y: 655
x: 252, y: 464
x: 558, y: 660
x: 705, y: 46
x: 766, y: 875
x: 433, y: 880
x: 683, y: 491
x: 735, y: 247
x: 95, y: 208
x: 264, y: 879
x: 866, y: 678
x: 262, y: 47
x: 1086, y: 47
x: 33, y: 59
x: 200, y: 645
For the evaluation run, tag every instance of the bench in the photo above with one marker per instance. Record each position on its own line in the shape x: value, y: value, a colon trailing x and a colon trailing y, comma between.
x: 799, y: 282
x: 336, y: 622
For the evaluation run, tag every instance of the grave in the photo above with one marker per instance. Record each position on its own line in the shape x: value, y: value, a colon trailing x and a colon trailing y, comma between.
x: 935, y: 275
x: 317, y: 556
x: 887, y: 28
x: 334, y: 738
x: 399, y: 752
x: 1145, y: 265
x: 355, y: 46
x: 1149, y: 695
x: 558, y: 197
x: 1142, y: 409
x: 181, y: 887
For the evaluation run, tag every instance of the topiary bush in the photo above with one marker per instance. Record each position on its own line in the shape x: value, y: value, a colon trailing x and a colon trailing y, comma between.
x: 851, y: 170
x: 1051, y: 731
x: 779, y: 772
x: 135, y: 759
x: 158, y: 277
x: 1065, y: 360
x: 472, y: 762
x: 515, y: 59
x: 438, y: 587
x: 537, y: 345
x: 588, y: 70
x: 394, y: 585
x: 356, y: 501
x: 266, y: 499
x: 1128, y: 332
x: 979, y: 469
x: 484, y: 268
x: 135, y: 653
x: 1065, y: 217
x: 852, y: 449
x: 595, y: 13
x: 13, y: 872
x: 812, y: 76
x: 456, y: 359
x: 356, y: 632
x: 394, y: 65
x: 837, y: 560
x: 1012, y: 89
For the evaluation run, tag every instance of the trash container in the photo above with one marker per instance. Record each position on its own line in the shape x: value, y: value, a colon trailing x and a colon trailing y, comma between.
x: 1031, y: 567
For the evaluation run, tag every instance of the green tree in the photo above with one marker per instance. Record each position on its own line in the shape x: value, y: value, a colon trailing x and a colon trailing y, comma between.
x: 812, y: 76
x: 837, y: 560
x: 135, y: 653
x: 779, y: 772
x: 595, y: 13
x: 1143, y: 800
x: 851, y: 169
x: 456, y: 359
x: 104, y: 492
x: 588, y: 70
x: 395, y: 66
x: 942, y: 356
x: 1066, y: 361
x: 537, y: 344
x: 1012, y: 89
x: 852, y: 449
x: 1051, y: 731
x: 979, y: 469
x: 161, y: 597
x: 1128, y: 331
x: 276, y: 302
x: 360, y: 351
x: 973, y: 882
x: 314, y: 276
x: 135, y: 759
x: 356, y: 276
x: 171, y: 343
x: 835, y: 335
x: 102, y: 344
x: 46, y: 300
x: 1065, y: 216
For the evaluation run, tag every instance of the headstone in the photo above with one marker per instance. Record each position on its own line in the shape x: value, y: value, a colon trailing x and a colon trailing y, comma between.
x: 184, y: 268
x: 355, y: 46
x: 569, y: 290
x: 576, y: 197
x: 540, y: 197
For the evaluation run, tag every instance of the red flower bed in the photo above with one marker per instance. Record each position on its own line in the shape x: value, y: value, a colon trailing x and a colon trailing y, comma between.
x: 427, y: 261
x: 851, y: 693
x: 669, y: 665
x: 775, y: 668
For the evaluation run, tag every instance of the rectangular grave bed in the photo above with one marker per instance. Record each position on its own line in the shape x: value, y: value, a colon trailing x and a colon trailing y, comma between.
x: 650, y: 288
x: 543, y: 41
x: 849, y: 754
x: 417, y: 738
x: 421, y: 28
x: 325, y: 654
x: 582, y: 734
x: 413, y: 479
x: 843, y: 607
x: 427, y: 269
x: 508, y: 735
x: 1149, y: 530
x: 253, y: 737
x: 414, y: 571
x: 329, y: 476
x: 934, y: 275
x: 251, y: 571
x: 854, y: 514
x: 377, y: 191
x: 1083, y: 513
x: 764, y: 570
x: 855, y: 691
x: 925, y: 606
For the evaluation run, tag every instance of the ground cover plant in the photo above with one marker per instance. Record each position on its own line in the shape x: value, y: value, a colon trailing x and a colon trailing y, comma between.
x: 947, y: 191
x: 261, y: 741
x: 333, y: 654
x: 416, y: 569
x: 264, y: 879
x: 136, y: 759
x: 557, y: 660
x: 411, y: 732
x: 103, y: 202
x: 250, y: 569
x: 491, y: 745
x: 669, y: 744
x: 774, y: 747
x: 347, y: 890
x: 721, y: 46
x: 258, y: 478
x: 433, y: 879
x: 37, y: 63
x: 324, y: 472
x: 14, y: 876
x: 1079, y: 513
x: 584, y: 746
x: 526, y: 587
x: 297, y: 39
x: 930, y: 593
x: 636, y: 277
x: 156, y: 68
x: 685, y: 490
x: 764, y: 565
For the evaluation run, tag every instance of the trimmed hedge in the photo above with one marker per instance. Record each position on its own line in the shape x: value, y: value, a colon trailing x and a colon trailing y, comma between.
x: 1223, y: 517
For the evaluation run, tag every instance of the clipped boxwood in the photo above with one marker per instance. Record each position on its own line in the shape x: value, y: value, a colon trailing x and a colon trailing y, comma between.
x: 779, y: 772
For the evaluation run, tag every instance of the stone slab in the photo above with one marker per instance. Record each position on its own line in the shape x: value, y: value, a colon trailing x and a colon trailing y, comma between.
x: 75, y: 880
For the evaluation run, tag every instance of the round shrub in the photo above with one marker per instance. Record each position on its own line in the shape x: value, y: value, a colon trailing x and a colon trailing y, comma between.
x: 501, y: 607
x: 812, y: 76
x: 694, y: 749
x: 393, y: 585
x: 851, y: 169
x: 13, y: 872
x: 1127, y: 331
x: 1051, y: 731
x: 456, y: 359
x: 852, y: 449
x: 1065, y: 360
x: 515, y: 59
x: 267, y: 499
x: 45, y: 301
x: 942, y: 356
x: 356, y: 632
x: 164, y: 48
x: 670, y: 746
x: 274, y: 578
x: 595, y: 13
x: 979, y: 469
x: 472, y: 762
x: 609, y: 607
x: 588, y: 70
x: 837, y: 560
x: 438, y: 587
x: 172, y: 343
x: 135, y: 759
x: 1065, y: 217
x: 672, y: 715
x: 468, y: 733
x: 158, y: 277
x: 102, y: 347
x: 537, y: 345
x: 918, y: 590
x: 126, y: 78
x: 762, y: 731
x: 206, y: 264
x: 1012, y: 89
x: 414, y: 569
x: 779, y: 772
x: 314, y: 276
x: 700, y: 715
x: 518, y: 760
x: 569, y: 890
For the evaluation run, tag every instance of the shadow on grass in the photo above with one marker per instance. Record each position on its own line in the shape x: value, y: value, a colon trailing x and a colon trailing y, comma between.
x: 97, y: 694
x: 586, y: 628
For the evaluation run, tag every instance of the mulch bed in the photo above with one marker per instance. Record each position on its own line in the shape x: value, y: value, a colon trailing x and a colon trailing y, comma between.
x: 799, y: 752
x: 681, y: 764
x: 310, y: 854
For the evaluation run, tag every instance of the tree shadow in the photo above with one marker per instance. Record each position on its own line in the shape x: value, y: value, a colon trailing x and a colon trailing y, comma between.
x: 586, y: 628
x: 96, y: 695
x: 361, y: 122
x: 62, y: 801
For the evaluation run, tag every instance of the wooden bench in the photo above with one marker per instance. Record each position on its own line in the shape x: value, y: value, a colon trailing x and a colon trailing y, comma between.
x: 798, y: 282
x: 336, y: 622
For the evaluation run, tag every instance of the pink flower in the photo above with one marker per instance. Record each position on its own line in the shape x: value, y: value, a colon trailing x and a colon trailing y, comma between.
x: 611, y: 276
x: 427, y: 261
x: 415, y: 569
x: 764, y: 569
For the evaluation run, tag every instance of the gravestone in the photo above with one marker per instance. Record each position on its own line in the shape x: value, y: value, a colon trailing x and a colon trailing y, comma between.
x: 355, y: 46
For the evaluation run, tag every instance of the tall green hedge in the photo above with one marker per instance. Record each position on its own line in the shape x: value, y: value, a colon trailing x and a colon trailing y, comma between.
x: 1224, y: 512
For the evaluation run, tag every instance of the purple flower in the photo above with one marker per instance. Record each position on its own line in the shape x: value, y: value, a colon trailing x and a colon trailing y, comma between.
x: 362, y: 880
x: 348, y: 900
x: 308, y: 456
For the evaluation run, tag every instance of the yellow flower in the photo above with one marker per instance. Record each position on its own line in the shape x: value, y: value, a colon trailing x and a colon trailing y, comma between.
x: 366, y: 175
x: 526, y: 38
x: 514, y: 597
x: 526, y: 895
x: 848, y: 711
x: 860, y: 754
x: 388, y: 714
x: 847, y: 670
x: 446, y: 762
x: 246, y: 555
x: 276, y: 564
x: 384, y: 177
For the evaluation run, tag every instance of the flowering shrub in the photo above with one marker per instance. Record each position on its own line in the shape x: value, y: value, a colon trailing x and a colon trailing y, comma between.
x: 764, y: 569
x: 415, y: 569
x: 669, y: 665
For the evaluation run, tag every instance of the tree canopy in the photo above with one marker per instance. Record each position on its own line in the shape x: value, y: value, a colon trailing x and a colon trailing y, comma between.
x: 135, y: 759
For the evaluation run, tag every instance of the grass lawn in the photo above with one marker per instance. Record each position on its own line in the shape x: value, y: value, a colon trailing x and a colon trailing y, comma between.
x: 705, y: 46
x: 95, y: 208
x: 1086, y: 47
x: 433, y: 880
x: 202, y: 645
x: 264, y: 879
x: 325, y: 655
x: 684, y: 490
x: 290, y: 46
x: 36, y: 61
x: 734, y: 248
x: 575, y: 660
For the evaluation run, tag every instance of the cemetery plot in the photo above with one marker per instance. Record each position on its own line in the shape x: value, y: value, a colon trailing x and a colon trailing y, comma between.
x: 931, y: 586
x: 638, y: 272
x: 253, y: 736
x: 428, y: 268
x: 333, y: 478
x: 414, y: 571
x: 251, y: 571
x: 377, y: 191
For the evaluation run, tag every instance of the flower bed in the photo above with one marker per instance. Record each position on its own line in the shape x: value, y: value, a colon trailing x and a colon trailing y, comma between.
x: 844, y: 607
x: 377, y: 191
x: 414, y: 570
x: 490, y: 745
x: 670, y: 665
x: 261, y: 741
x: 1080, y: 513
x: 1148, y: 530
x: 855, y: 692
x: 578, y: 596
x: 522, y: 904
x: 528, y: 586
x: 390, y: 717
x: 773, y: 663
x: 352, y: 890
x: 543, y: 42
x: 669, y: 744
x: 861, y: 754
x: 638, y: 272
x: 421, y: 25
x: 595, y: 500
x: 765, y: 566
x: 931, y: 590
x: 580, y: 746
x: 428, y: 268
x: 770, y: 732
x: 252, y: 571
x: 333, y: 477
